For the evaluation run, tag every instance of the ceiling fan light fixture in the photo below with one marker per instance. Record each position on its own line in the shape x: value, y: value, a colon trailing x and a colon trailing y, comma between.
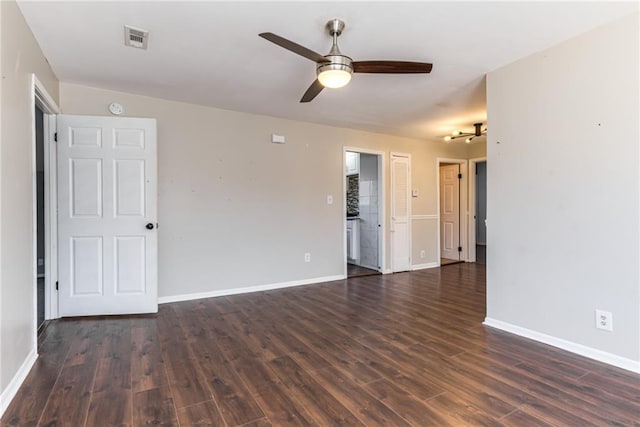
x: 334, y: 75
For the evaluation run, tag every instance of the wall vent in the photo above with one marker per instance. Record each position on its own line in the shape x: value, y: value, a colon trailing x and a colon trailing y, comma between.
x: 135, y: 37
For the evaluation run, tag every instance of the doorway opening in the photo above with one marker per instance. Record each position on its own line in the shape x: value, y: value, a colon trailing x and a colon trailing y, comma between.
x: 363, y: 201
x: 478, y: 208
x: 452, y: 209
x: 45, y: 254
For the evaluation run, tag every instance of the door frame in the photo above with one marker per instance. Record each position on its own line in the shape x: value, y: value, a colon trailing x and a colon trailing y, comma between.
x: 382, y: 243
x: 41, y: 98
x: 471, y: 254
x: 410, y: 203
x: 464, y: 207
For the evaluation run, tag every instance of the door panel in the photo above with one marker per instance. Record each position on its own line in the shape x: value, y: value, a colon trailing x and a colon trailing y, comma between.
x: 86, y: 266
x: 449, y: 212
x: 106, y: 196
x: 400, y: 214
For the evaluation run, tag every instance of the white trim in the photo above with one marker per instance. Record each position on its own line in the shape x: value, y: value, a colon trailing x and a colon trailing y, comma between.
x: 387, y: 271
x: 464, y: 205
x: 248, y: 289
x: 582, y: 350
x: 382, y: 187
x: 14, y: 385
x: 425, y: 266
x: 473, y: 164
x: 419, y: 217
x: 40, y: 97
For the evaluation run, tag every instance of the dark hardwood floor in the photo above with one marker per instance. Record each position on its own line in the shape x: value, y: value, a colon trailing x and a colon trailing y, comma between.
x: 358, y: 271
x: 401, y: 349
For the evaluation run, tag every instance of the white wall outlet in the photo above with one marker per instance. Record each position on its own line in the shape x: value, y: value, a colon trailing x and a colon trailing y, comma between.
x: 329, y: 199
x: 307, y: 257
x: 414, y: 193
x: 604, y: 320
x: 423, y: 253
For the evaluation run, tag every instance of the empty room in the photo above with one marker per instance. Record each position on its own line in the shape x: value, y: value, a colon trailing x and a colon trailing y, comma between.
x: 319, y: 213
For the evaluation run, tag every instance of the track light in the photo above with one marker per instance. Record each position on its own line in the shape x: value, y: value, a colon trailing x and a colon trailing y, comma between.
x: 468, y: 135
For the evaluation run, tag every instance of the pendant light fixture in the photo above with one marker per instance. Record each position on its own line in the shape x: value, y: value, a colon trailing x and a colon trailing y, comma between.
x: 469, y: 136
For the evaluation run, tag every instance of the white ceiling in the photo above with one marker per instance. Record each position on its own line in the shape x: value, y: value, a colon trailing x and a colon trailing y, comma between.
x: 209, y: 53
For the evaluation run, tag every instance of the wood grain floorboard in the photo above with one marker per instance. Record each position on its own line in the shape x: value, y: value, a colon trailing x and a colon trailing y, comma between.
x: 405, y: 349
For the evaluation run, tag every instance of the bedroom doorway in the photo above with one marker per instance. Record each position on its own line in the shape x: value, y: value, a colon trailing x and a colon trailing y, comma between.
x: 478, y: 211
x: 452, y: 210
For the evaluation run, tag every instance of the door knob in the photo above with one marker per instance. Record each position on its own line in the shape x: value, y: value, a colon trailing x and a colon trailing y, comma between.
x: 149, y: 226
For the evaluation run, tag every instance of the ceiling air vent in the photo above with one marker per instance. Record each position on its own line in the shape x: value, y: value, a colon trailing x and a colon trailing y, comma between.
x: 135, y: 37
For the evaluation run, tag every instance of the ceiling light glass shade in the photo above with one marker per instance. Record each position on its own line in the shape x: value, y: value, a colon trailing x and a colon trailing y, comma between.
x: 468, y: 140
x: 447, y: 138
x: 335, y: 74
x: 334, y: 78
x: 455, y: 133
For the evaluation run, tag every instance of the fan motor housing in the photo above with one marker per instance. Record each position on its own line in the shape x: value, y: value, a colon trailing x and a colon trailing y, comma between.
x: 337, y: 62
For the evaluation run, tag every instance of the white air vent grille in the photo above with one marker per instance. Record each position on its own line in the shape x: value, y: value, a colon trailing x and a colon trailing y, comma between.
x: 135, y: 37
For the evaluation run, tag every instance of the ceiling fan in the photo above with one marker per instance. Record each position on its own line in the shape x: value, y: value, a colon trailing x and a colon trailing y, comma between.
x: 334, y: 69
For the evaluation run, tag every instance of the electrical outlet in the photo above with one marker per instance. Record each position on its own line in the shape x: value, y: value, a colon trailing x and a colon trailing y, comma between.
x: 40, y: 262
x: 604, y: 320
x: 423, y: 254
x: 307, y: 257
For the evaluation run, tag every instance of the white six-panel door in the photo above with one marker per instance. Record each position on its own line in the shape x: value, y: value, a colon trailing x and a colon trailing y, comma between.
x: 449, y: 211
x: 107, y: 238
x: 400, y: 213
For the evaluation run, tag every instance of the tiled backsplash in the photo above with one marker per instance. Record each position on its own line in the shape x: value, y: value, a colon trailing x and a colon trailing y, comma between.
x: 353, y: 193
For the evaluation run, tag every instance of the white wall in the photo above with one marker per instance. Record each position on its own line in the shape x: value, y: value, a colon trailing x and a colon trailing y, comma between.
x: 563, y: 182
x: 234, y: 209
x: 21, y: 56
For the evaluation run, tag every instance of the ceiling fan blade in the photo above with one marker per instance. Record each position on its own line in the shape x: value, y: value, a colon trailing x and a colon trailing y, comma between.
x: 391, y: 67
x: 313, y: 91
x: 294, y: 47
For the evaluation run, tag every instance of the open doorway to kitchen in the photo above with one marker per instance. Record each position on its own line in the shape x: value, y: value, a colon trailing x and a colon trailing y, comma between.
x: 364, y: 215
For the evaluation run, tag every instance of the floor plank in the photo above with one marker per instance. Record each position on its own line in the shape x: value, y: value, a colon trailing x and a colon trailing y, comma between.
x: 399, y: 349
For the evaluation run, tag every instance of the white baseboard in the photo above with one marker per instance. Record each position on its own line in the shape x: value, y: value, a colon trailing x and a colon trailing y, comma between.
x: 425, y: 266
x: 387, y: 271
x: 582, y: 350
x: 248, y: 289
x: 12, y: 388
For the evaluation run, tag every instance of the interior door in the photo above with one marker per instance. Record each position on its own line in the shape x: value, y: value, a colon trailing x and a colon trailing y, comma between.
x: 400, y: 213
x: 450, y: 211
x: 107, y: 215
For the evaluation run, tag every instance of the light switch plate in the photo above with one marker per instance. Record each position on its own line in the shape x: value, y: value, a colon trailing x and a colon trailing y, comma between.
x: 329, y: 199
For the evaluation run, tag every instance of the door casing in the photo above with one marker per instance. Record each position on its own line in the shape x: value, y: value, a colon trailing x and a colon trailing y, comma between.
x: 381, y: 205
x: 471, y: 253
x: 41, y: 98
